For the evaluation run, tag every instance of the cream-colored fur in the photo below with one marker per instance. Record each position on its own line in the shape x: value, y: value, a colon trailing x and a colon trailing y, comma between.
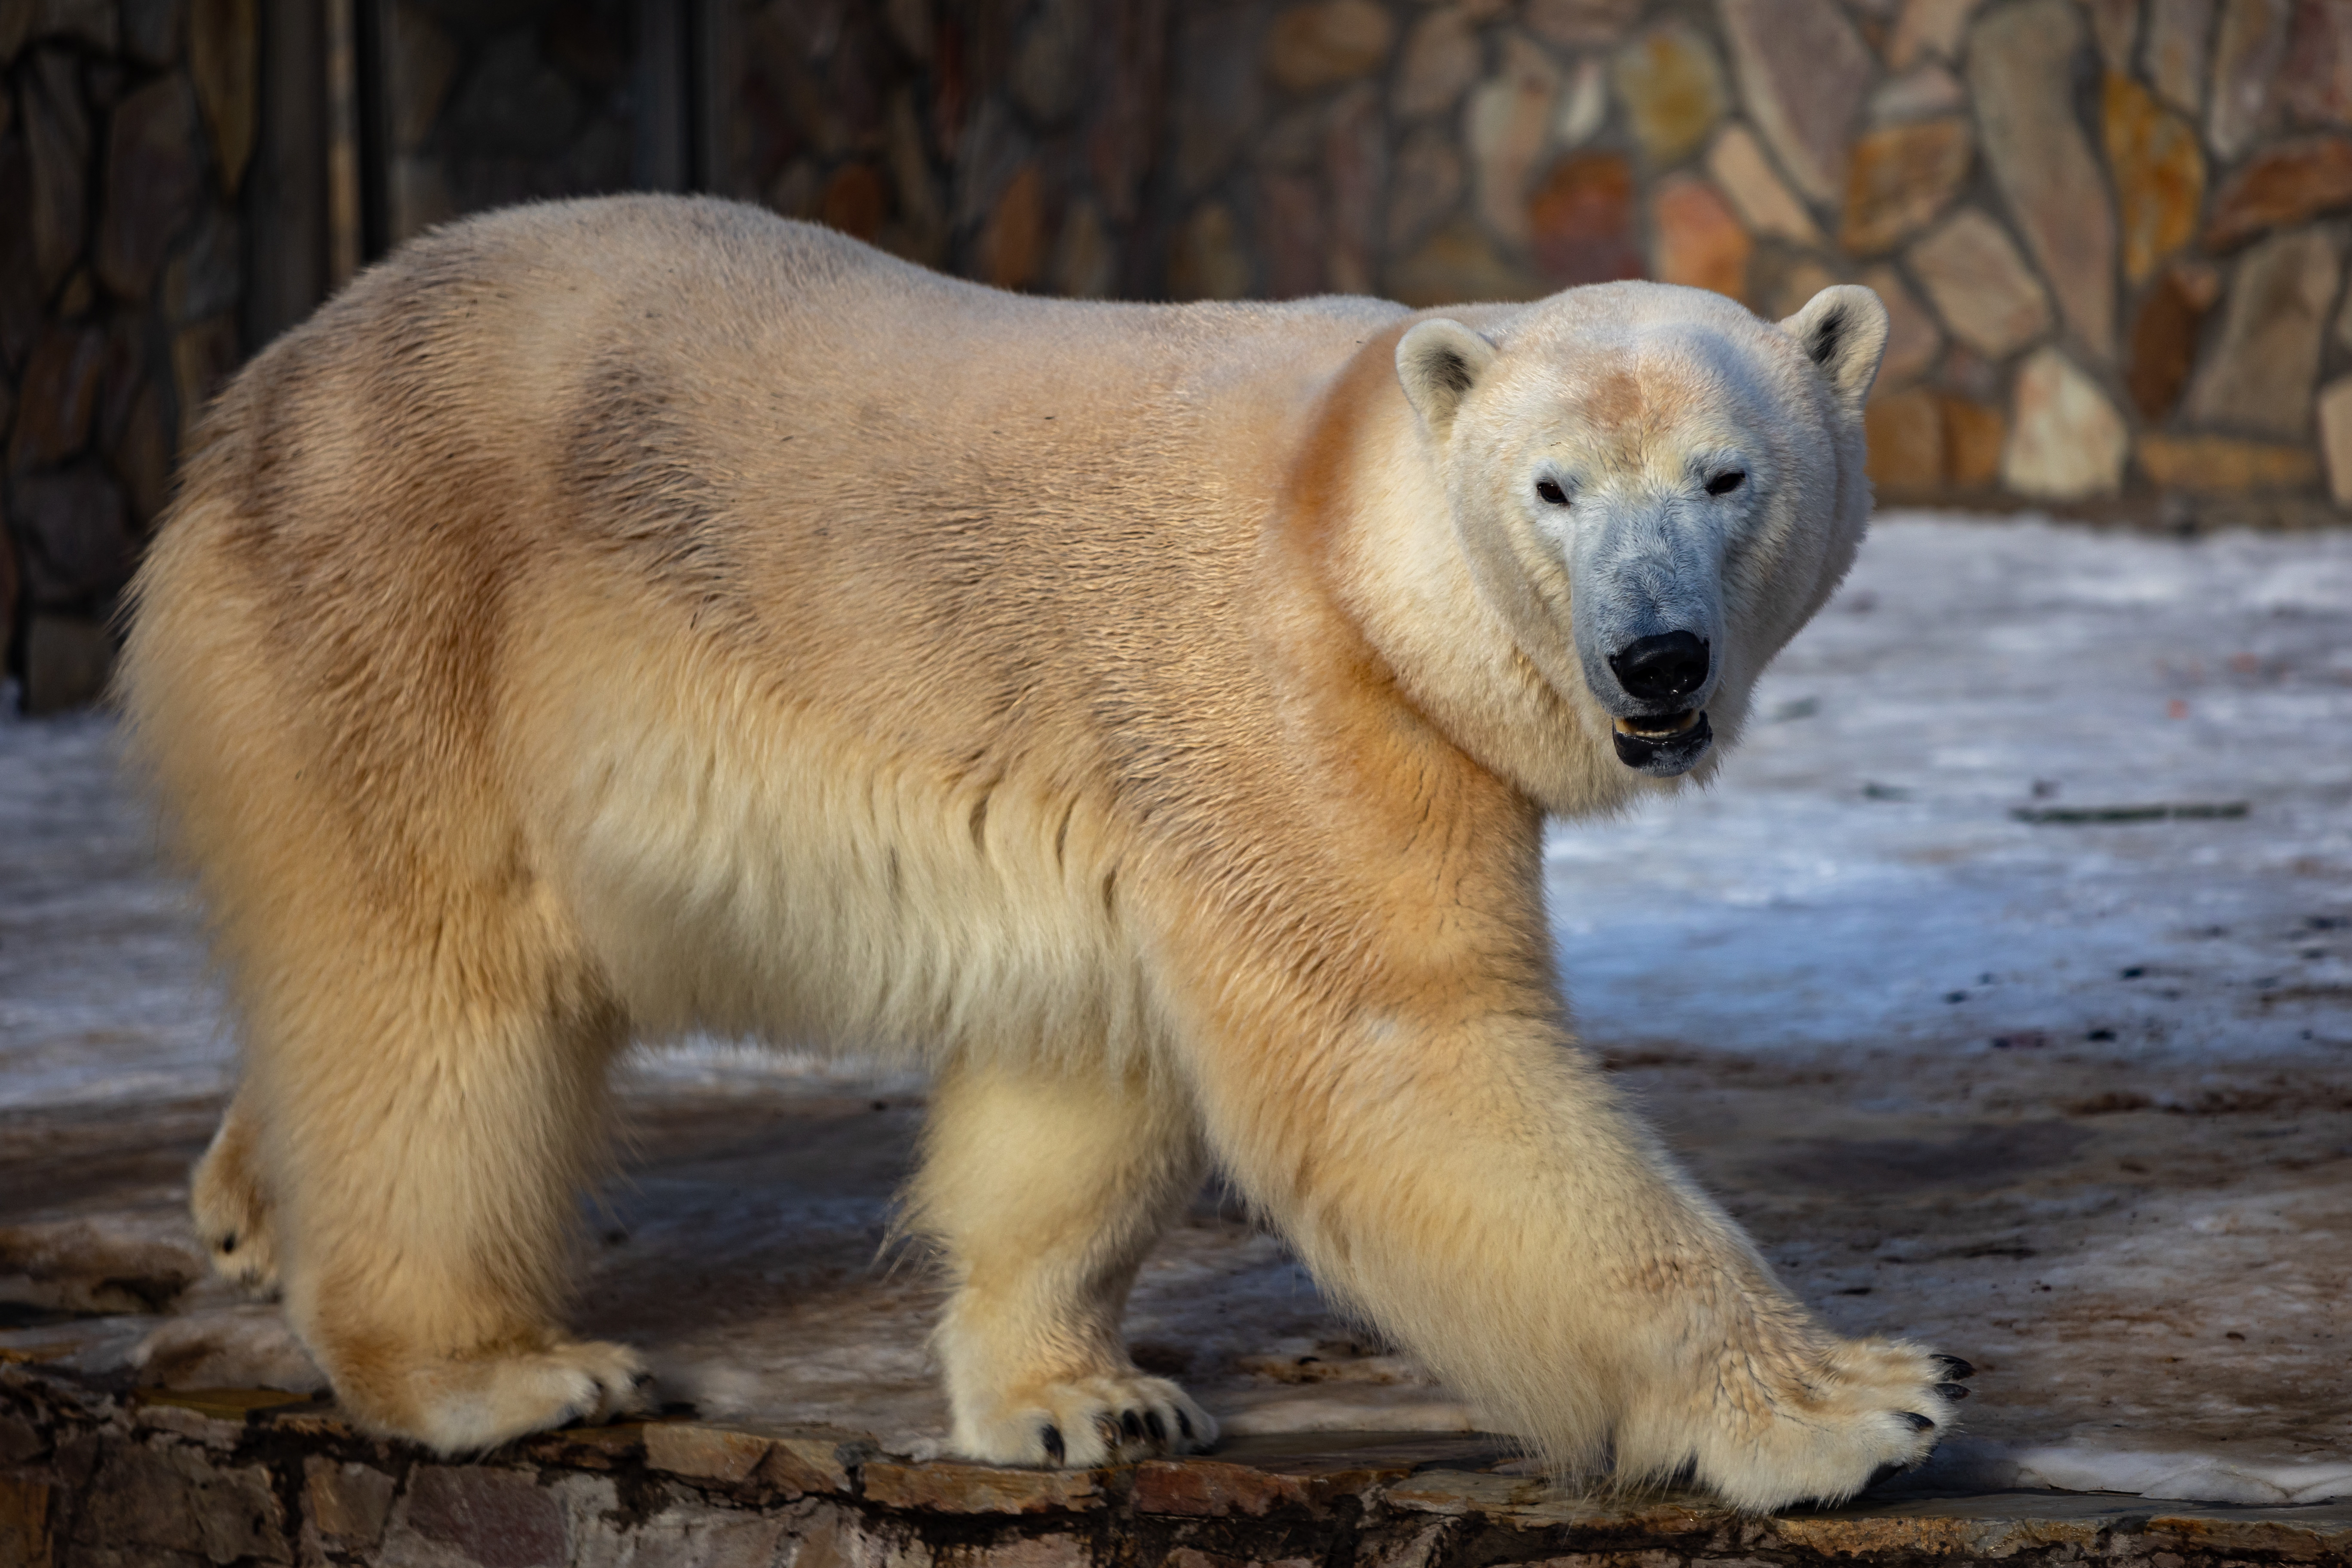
x: 607, y: 619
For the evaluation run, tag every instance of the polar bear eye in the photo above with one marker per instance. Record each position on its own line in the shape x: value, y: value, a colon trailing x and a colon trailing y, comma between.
x: 1552, y: 494
x: 1724, y: 484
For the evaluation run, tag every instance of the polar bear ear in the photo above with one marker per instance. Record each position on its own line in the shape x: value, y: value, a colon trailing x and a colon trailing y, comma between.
x: 1842, y: 328
x: 1439, y: 362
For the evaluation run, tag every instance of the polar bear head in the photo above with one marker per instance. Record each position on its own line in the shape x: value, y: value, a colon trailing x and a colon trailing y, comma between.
x: 1652, y: 489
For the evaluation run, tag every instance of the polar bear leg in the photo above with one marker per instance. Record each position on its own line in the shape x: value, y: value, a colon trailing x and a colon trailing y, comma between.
x: 434, y: 1110
x: 1045, y: 1191
x: 231, y: 1205
x: 1478, y: 1188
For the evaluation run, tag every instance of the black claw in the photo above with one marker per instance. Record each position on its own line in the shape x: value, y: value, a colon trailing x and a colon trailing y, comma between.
x: 1918, y: 1423
x: 1184, y: 1425
x: 1157, y: 1427
x: 228, y: 1242
x: 1055, y: 1454
x: 1952, y: 1390
x: 1130, y: 1426
x: 1955, y: 1368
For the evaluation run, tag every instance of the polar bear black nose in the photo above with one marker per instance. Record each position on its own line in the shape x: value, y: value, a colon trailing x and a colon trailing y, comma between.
x: 1662, y: 667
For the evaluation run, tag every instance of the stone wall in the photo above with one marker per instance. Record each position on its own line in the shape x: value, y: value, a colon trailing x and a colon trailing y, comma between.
x: 125, y: 132
x: 2108, y: 230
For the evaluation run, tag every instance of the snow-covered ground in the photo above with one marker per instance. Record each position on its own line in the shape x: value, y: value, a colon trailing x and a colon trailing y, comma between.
x: 2072, y: 1097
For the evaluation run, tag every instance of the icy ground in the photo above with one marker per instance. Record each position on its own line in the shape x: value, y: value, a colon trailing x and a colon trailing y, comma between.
x: 2072, y: 1098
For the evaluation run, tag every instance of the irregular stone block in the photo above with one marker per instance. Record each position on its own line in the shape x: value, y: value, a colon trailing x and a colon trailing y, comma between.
x: 1048, y: 78
x: 150, y: 30
x: 2021, y: 68
x: 514, y: 104
x: 783, y: 1463
x: 2260, y: 373
x: 203, y: 357
x: 1581, y: 221
x: 59, y: 392
x: 1987, y: 296
x: 1583, y: 105
x: 345, y: 1505
x: 141, y: 458
x: 207, y: 277
x: 1290, y: 234
x: 1699, y: 242
x: 26, y: 1507
x: 2164, y: 338
x: 1442, y: 56
x: 2314, y: 85
x: 1458, y: 1493
x: 1924, y: 93
x: 2115, y: 26
x: 183, y: 1499
x: 1783, y: 286
x: 1974, y: 434
x: 1913, y: 340
x: 57, y: 144
x: 1906, y: 435
x: 1427, y: 183
x: 2159, y: 174
x: 224, y: 60
x: 1205, y: 261
x: 2335, y: 437
x: 948, y: 1487
x: 2221, y: 465
x: 1507, y: 124
x: 1355, y: 177
x: 68, y: 661
x: 1900, y: 180
x: 2248, y: 50
x: 2173, y: 51
x: 1214, y: 1488
x: 1928, y: 27
x: 76, y: 536
x: 94, y: 21
x: 1672, y: 89
x: 1458, y: 264
x: 1085, y: 262
x: 500, y: 1519
x: 2067, y: 442
x: 1326, y: 41
x: 1803, y: 72
x: 1013, y: 241
x: 1739, y: 169
x: 2288, y: 183
x: 153, y: 182
x: 1571, y: 22
x: 424, y: 69
x: 1218, y: 91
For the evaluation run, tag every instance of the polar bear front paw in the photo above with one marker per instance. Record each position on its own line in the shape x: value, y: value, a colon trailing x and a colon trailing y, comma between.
x: 1866, y: 1410
x: 1088, y: 1421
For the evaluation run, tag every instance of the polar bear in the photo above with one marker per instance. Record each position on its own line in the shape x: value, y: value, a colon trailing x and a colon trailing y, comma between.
x: 614, y: 619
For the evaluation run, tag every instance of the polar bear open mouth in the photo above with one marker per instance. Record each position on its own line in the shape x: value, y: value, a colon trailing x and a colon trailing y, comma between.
x: 1664, y: 743
x: 1662, y: 726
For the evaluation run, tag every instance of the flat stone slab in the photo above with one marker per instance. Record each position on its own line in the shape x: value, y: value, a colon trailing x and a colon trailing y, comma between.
x: 89, y: 1475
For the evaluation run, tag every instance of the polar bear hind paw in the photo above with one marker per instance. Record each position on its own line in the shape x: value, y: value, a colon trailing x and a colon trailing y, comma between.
x: 1088, y: 1421
x: 232, y: 1215
x: 461, y: 1407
